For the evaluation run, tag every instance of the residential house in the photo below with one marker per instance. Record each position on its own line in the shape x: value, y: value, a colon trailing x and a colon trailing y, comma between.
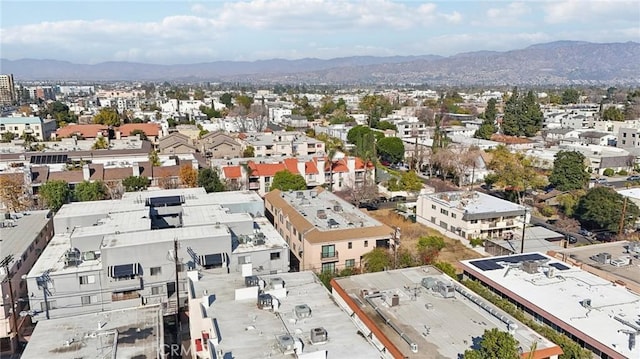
x: 35, y: 126
x: 151, y: 130
x: 324, y: 232
x: 469, y: 214
x: 281, y: 143
x: 220, y: 145
x: 513, y: 142
x: 83, y: 131
x: 176, y: 143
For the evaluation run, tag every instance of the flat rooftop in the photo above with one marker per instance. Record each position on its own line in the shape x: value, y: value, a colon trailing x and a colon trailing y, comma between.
x: 17, y: 233
x: 250, y: 332
x: 441, y: 327
x: 626, y: 273
x: 473, y: 202
x: 128, y: 333
x: 327, y: 211
x: 557, y: 291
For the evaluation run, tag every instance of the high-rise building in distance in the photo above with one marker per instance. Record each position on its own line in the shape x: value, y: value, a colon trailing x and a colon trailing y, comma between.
x: 7, y: 89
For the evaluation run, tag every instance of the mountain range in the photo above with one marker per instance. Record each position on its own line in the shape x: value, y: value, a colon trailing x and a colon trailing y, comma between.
x: 556, y: 63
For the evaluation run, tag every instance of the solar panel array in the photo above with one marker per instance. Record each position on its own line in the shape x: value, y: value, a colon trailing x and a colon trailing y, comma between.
x: 48, y: 159
x: 492, y: 263
x: 165, y: 201
x: 559, y: 266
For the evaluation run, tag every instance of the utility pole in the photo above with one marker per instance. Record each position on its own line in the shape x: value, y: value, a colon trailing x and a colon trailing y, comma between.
x: 622, y: 215
x: 5, y: 263
x: 524, y: 226
x: 176, y: 263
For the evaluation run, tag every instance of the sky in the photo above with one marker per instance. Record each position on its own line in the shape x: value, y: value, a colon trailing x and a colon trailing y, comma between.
x: 179, y: 32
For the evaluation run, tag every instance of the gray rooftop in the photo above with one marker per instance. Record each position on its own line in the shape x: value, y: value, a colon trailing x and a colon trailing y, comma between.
x: 250, y: 332
x: 327, y: 211
x: 128, y: 333
x: 477, y: 203
x: 440, y: 327
x: 17, y: 233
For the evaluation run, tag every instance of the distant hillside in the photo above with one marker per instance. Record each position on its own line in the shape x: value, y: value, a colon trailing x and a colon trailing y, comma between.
x: 562, y: 63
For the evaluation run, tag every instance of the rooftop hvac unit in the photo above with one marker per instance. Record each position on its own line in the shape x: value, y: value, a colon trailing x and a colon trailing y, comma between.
x: 299, y: 194
x: 276, y: 282
x: 319, y: 336
x: 321, y: 214
x: 89, y: 256
x: 395, y: 300
x: 265, y: 301
x: 285, y: 343
x: 530, y: 267
x: 337, y: 208
x: 586, y: 303
x: 72, y: 257
x: 251, y: 281
x: 602, y: 258
x: 429, y: 282
x: 446, y: 290
x: 302, y: 311
x: 551, y: 272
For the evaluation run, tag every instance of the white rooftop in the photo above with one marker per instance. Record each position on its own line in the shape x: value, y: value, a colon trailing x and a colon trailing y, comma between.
x: 17, y: 233
x: 128, y: 333
x: 561, y: 296
x: 250, y: 332
x: 474, y: 202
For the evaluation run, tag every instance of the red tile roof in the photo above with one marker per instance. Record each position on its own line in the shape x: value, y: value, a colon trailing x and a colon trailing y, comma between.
x: 86, y: 131
x: 149, y: 129
x: 311, y: 168
x: 265, y: 169
x: 232, y: 172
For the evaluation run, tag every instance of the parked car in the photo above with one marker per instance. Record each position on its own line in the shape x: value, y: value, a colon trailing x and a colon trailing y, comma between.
x: 585, y: 232
x: 572, y: 239
x: 633, y: 178
x: 604, y: 236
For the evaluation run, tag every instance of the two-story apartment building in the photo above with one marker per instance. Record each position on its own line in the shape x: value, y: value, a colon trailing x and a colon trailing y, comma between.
x: 117, y: 254
x: 219, y: 144
x: 35, y: 126
x: 469, y: 214
x: 23, y: 236
x: 281, y: 143
x: 324, y: 232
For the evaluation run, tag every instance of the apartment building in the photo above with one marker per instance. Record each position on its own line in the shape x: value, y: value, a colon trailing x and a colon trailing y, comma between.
x: 324, y: 232
x: 35, y: 126
x: 281, y: 143
x: 470, y: 214
x: 117, y: 254
x: 23, y: 236
x: 257, y: 175
x: 7, y: 89
x: 219, y: 144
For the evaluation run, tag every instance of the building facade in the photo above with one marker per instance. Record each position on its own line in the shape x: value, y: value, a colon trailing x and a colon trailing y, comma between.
x: 324, y: 232
x: 7, y: 89
x: 34, y: 126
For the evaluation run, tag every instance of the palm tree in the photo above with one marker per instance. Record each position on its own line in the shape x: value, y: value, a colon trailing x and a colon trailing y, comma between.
x: 330, y: 156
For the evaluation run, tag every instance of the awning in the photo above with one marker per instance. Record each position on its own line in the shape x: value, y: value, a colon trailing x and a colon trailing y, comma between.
x: 211, y: 259
x: 124, y: 270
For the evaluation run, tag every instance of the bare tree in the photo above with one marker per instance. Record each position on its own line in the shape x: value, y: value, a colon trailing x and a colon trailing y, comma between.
x: 362, y: 192
x: 463, y: 165
x: 444, y: 160
x: 115, y: 189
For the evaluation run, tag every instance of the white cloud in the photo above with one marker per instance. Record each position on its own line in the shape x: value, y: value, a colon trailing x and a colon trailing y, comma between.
x: 587, y: 11
x: 513, y: 10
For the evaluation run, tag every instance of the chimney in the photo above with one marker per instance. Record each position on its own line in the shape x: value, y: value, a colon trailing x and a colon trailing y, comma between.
x: 301, y: 168
x: 86, y: 173
x: 351, y: 164
x: 320, y: 165
x: 136, y: 169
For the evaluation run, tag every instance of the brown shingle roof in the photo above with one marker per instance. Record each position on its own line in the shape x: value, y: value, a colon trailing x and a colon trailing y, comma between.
x: 67, y: 176
x: 149, y: 129
x: 87, y: 131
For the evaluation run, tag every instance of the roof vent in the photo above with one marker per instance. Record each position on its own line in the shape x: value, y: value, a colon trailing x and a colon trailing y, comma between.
x: 586, y: 303
x: 337, y: 208
x: 332, y: 223
x: 265, y: 301
x: 318, y: 336
x: 299, y: 194
x: 302, y: 311
x: 321, y: 214
x: 285, y: 343
x: 276, y: 282
x: 251, y: 281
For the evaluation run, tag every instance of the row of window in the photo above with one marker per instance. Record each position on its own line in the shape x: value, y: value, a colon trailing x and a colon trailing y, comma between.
x: 443, y: 211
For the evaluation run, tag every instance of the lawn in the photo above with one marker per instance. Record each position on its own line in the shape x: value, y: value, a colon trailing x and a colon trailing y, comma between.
x: 411, y: 232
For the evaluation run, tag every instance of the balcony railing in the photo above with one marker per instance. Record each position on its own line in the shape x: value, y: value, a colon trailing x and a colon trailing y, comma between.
x: 510, y: 222
x: 254, y: 185
x: 115, y: 297
x: 329, y: 257
x: 493, y: 224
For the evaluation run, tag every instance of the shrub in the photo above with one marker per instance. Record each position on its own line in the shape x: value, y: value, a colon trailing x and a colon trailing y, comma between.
x: 608, y: 172
x: 547, y: 211
x: 623, y: 172
x: 476, y: 242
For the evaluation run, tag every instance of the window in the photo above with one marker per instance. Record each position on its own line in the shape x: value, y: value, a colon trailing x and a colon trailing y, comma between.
x: 453, y: 215
x: 275, y: 256
x: 433, y: 219
x: 350, y: 263
x: 443, y: 225
x: 87, y: 279
x: 624, y: 134
x: 433, y: 206
x: 366, y: 244
x: 244, y: 259
x: 350, y: 245
x: 156, y: 290
x: 329, y: 267
x: 444, y: 211
x: 474, y: 221
x: 155, y: 270
x: 88, y: 299
x: 329, y: 251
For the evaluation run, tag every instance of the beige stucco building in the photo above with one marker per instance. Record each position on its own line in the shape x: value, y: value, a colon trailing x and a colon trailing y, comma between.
x: 324, y: 232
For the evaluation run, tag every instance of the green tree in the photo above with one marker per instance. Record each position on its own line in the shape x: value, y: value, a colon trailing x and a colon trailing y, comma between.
x: 244, y: 101
x: 570, y: 96
x: 533, y: 116
x: 488, y: 126
x: 287, y: 181
x: 391, y: 149
x: 143, y: 136
x: 409, y: 181
x: 107, y: 116
x: 248, y: 152
x: 602, y: 207
x: 154, y: 158
x: 612, y: 114
x: 55, y: 194
x: 569, y: 171
x: 135, y: 183
x: 447, y: 268
x: 327, y: 106
x: 495, y: 344
x: 377, y: 260
x: 356, y: 133
x: 569, y: 201
x: 436, y: 242
x: 227, y: 99
x: 386, y: 125
x: 210, y: 180
x: 90, y: 191
x: 608, y: 172
x: 210, y: 112
x: 522, y: 115
x: 375, y: 107
x: 514, y: 172
x: 100, y: 144
x: 8, y: 136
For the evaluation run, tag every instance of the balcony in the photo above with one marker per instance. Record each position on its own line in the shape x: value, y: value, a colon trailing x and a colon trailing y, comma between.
x: 116, y: 297
x: 254, y: 185
x: 510, y: 222
x: 493, y: 224
x: 329, y: 257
